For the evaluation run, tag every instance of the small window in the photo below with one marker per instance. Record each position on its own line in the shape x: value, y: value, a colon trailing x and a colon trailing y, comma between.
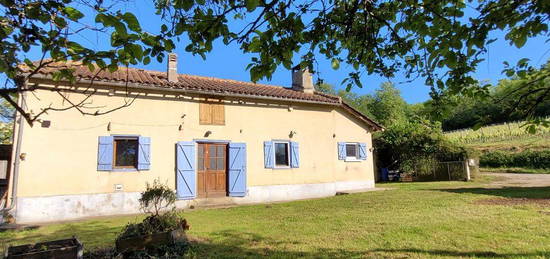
x: 351, y: 151
x: 211, y: 113
x: 125, y: 150
x: 200, y: 156
x: 282, y: 158
x: 3, y: 169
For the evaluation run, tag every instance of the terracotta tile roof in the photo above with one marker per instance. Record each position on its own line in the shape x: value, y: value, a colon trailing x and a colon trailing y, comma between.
x: 201, y: 84
x: 188, y: 82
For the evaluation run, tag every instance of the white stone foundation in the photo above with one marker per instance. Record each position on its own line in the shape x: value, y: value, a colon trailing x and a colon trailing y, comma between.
x: 67, y: 207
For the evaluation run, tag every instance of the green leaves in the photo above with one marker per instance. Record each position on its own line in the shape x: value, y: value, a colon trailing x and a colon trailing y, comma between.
x: 132, y: 22
x: 72, y: 13
x: 251, y: 5
x: 437, y: 40
x: 335, y: 64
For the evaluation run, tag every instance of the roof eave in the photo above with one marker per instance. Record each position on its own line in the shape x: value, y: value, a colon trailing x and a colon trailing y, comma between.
x: 187, y: 91
x: 339, y: 103
x: 375, y: 125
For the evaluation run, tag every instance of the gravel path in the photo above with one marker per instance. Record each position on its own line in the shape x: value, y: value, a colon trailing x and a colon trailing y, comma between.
x: 523, y: 180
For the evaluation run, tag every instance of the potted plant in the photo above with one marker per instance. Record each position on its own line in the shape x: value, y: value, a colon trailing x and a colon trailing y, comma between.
x: 62, y: 249
x: 162, y: 227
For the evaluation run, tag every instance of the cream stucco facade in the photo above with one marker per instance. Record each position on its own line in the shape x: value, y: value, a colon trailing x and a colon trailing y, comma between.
x: 58, y: 177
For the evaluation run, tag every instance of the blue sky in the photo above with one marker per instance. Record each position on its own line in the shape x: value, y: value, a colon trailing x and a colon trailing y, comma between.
x: 229, y: 62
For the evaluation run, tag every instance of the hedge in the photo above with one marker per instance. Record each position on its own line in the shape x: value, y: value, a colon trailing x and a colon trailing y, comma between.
x: 526, y: 159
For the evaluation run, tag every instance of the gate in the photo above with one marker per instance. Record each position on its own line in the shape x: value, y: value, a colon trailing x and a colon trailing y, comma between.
x: 445, y: 171
x: 5, y: 154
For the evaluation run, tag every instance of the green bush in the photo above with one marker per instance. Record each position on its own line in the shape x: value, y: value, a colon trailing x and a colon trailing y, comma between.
x: 416, y: 147
x: 155, y: 199
x: 526, y: 159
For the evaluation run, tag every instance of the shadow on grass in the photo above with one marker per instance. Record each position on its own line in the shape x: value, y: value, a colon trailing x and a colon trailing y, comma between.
x: 236, y: 244
x: 93, y: 234
x: 232, y: 244
x: 507, y: 192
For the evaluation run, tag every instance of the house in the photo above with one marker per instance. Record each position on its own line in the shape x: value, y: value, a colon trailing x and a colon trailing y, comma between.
x: 212, y: 140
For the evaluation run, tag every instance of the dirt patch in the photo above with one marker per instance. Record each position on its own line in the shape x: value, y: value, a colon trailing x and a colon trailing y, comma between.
x: 514, y: 201
x: 523, y: 180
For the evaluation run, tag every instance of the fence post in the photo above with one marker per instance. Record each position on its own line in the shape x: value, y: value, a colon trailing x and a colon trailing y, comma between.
x: 467, y: 167
x: 449, y: 170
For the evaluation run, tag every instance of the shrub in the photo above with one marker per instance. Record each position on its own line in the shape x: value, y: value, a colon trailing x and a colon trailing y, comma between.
x: 495, y: 159
x: 155, y: 199
x: 526, y: 159
x: 154, y: 224
x: 416, y: 147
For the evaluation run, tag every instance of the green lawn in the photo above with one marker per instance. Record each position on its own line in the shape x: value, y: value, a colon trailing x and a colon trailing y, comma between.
x: 413, y: 220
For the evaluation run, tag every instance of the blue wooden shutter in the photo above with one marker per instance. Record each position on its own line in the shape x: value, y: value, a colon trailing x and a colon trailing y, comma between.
x: 294, y: 155
x: 237, y: 169
x: 362, y: 151
x: 105, y: 153
x: 144, y: 153
x: 186, y: 170
x: 341, y: 150
x: 268, y: 154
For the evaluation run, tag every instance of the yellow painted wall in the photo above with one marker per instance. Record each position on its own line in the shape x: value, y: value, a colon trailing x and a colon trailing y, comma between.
x: 62, y: 159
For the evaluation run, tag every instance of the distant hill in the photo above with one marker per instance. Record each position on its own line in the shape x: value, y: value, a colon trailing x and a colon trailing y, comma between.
x: 506, y: 137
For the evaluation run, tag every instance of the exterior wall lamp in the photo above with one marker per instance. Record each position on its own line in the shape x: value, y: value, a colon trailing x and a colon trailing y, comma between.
x: 292, y: 133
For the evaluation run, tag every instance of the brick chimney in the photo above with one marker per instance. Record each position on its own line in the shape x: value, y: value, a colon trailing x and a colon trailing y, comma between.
x: 172, y: 67
x: 301, y: 80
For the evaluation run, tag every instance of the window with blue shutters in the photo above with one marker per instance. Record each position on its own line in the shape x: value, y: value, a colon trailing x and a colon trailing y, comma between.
x: 352, y: 151
x: 124, y: 153
x: 281, y: 154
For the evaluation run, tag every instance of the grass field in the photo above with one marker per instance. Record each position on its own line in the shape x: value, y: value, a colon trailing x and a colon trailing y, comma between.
x: 412, y: 220
x: 514, y: 145
x: 503, y: 136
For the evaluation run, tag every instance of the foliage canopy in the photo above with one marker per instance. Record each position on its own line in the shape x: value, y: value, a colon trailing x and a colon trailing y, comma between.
x: 442, y: 41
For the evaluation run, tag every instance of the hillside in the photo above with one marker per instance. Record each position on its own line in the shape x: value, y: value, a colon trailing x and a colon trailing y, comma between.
x: 505, y: 137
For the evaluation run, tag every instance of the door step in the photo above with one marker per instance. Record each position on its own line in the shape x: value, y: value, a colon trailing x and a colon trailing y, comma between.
x: 213, y: 202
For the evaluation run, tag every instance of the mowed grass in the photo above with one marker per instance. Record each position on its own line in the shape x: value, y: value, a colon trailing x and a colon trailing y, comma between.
x: 412, y: 220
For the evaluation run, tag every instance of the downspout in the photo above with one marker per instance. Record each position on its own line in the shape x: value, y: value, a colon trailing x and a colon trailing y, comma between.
x: 19, y: 123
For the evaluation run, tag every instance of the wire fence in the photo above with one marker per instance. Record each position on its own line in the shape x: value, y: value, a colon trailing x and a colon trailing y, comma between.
x: 443, y: 171
x: 446, y: 171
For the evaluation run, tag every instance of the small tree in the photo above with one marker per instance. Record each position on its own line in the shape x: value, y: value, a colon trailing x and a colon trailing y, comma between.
x: 156, y: 198
x: 415, y: 146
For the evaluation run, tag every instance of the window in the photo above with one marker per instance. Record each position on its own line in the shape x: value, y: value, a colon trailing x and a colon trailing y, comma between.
x: 125, y: 152
x: 3, y: 169
x: 211, y: 113
x: 351, y: 151
x: 282, y: 158
x: 216, y: 156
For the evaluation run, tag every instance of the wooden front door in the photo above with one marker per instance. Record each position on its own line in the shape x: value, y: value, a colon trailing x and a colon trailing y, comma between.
x: 211, y: 168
